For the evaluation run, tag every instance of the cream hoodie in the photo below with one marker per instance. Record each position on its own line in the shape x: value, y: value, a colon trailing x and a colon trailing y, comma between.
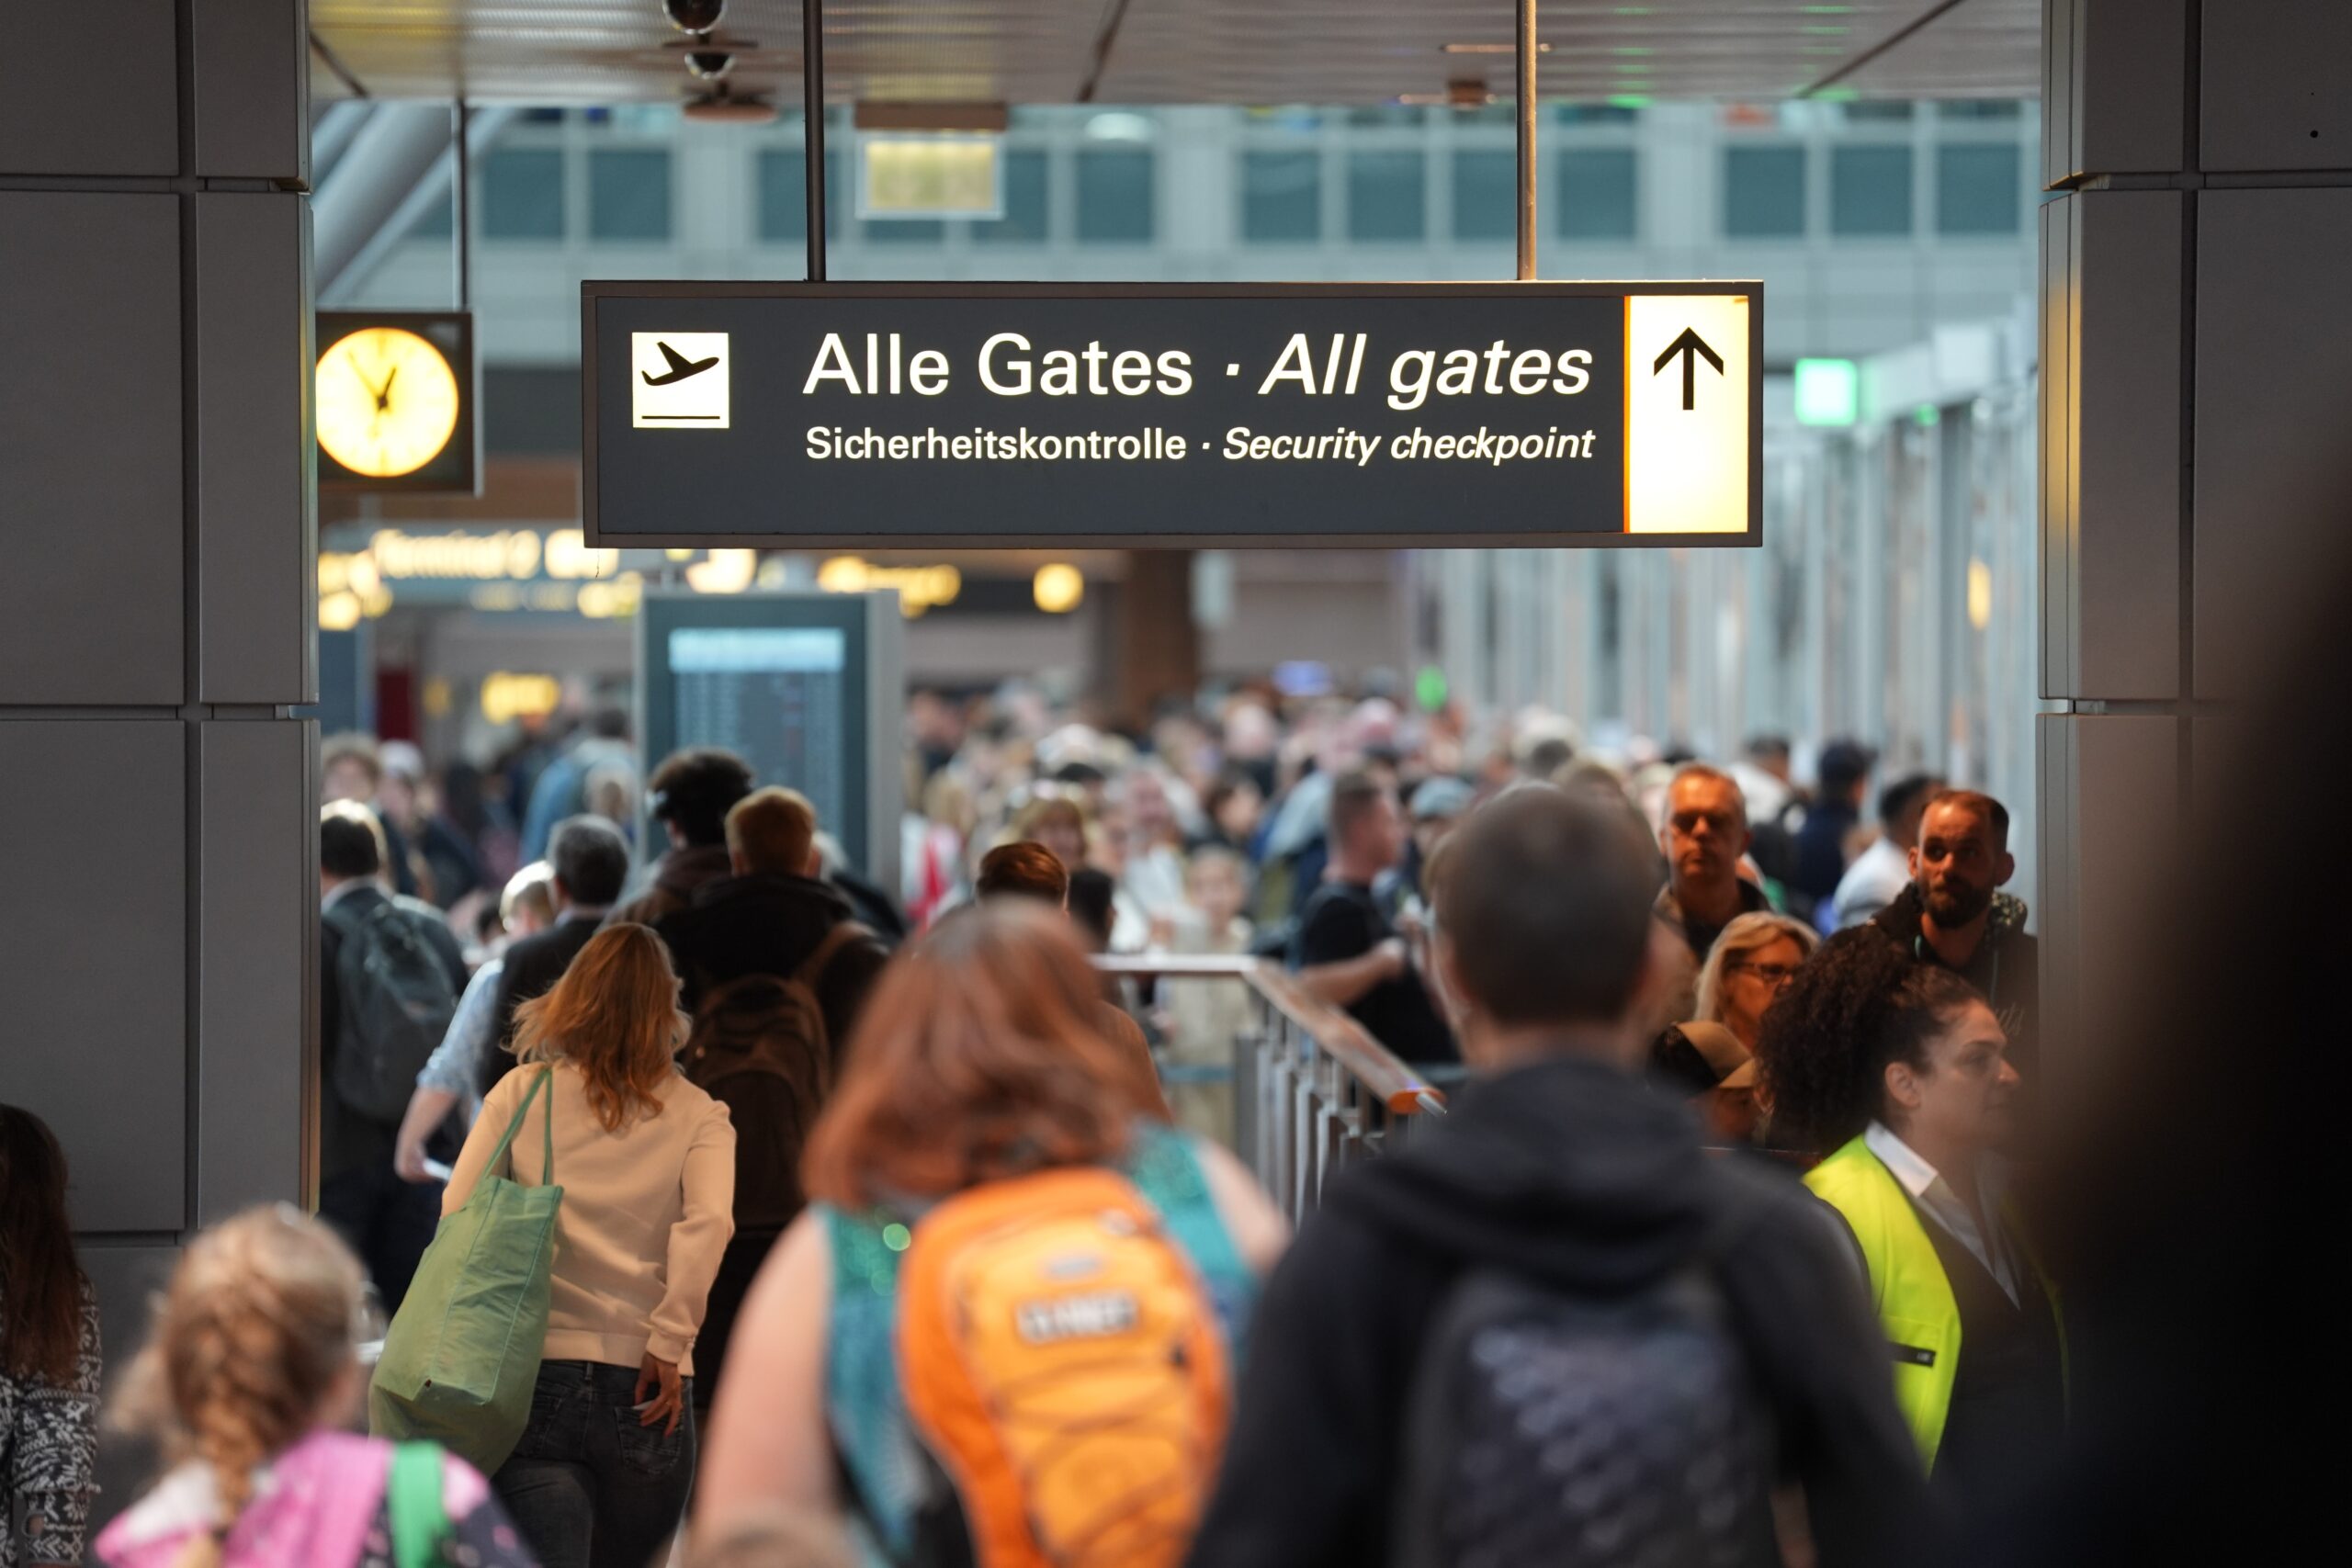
x: 646, y: 1214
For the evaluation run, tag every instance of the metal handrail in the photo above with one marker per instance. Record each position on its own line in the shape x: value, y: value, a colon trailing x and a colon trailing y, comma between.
x: 1313, y: 1090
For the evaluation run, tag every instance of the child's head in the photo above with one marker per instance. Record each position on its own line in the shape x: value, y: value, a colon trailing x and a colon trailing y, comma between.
x: 254, y: 1344
x: 1216, y: 883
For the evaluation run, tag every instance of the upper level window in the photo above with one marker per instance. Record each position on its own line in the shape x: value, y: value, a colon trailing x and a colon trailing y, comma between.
x: 1869, y: 190
x: 1281, y: 196
x: 1598, y: 199
x: 1763, y: 192
x: 628, y: 193
x: 1386, y: 200
x: 1485, y: 196
x: 1025, y: 211
x: 522, y: 193
x: 783, y: 174
x: 1116, y: 196
x: 1979, y: 188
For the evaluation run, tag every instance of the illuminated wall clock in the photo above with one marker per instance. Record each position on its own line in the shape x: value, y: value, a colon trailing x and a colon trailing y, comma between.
x: 394, y: 396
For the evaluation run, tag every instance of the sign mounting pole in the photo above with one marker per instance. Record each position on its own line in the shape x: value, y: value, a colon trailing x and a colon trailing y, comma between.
x: 1527, y: 53
x: 812, y: 114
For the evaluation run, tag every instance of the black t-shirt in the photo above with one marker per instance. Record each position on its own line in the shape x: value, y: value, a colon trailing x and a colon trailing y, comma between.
x: 1343, y: 920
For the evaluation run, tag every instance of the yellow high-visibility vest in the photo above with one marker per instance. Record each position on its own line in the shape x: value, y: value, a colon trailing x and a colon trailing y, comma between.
x: 1909, y: 1287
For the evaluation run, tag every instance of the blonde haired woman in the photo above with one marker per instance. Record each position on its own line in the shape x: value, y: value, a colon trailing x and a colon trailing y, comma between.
x: 1710, y: 1057
x: 249, y: 1371
x: 646, y: 1164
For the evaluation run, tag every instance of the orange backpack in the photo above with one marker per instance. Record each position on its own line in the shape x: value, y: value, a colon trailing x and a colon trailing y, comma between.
x: 1060, y: 1358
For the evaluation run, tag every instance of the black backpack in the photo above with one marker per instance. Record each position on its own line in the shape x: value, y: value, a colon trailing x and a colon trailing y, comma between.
x: 1577, y: 1432
x: 760, y: 1047
x: 395, y: 1007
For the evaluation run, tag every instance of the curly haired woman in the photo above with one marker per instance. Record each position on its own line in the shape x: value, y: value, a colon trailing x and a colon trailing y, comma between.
x: 1896, y: 1073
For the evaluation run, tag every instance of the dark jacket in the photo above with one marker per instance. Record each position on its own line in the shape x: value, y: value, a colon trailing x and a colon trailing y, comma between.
x: 532, y: 967
x: 346, y: 1139
x: 1579, y: 1177
x: 770, y: 925
x: 677, y: 877
x: 2005, y: 967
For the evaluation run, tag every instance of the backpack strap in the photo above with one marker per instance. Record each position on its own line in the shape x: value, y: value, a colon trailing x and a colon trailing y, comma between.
x: 413, y: 1505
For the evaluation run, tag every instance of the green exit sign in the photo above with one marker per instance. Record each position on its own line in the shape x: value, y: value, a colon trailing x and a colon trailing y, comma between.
x: 1829, y: 391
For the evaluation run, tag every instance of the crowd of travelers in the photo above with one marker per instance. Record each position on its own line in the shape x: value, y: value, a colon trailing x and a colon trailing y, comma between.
x: 700, y: 1200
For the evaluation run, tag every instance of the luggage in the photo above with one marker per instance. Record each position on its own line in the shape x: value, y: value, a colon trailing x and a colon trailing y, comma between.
x: 1579, y: 1432
x: 1061, y: 1362
x: 396, y: 1004
x: 760, y: 1047
x: 462, y: 1355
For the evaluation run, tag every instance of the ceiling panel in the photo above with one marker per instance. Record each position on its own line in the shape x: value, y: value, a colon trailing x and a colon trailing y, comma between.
x: 1182, y: 51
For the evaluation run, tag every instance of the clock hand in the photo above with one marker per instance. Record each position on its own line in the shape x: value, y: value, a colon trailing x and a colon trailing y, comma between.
x: 372, y: 391
x: 384, y: 393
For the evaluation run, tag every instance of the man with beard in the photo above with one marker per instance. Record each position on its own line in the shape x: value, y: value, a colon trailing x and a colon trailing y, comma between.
x: 1954, y: 916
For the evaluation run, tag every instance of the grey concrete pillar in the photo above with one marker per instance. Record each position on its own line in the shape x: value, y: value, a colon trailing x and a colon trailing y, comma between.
x: 2191, y: 424
x: 157, y: 555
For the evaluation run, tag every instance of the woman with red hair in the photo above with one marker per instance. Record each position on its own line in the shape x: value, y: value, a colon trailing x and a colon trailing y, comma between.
x: 980, y: 1088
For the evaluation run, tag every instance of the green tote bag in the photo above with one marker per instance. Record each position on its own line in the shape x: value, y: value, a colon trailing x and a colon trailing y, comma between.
x: 462, y: 1354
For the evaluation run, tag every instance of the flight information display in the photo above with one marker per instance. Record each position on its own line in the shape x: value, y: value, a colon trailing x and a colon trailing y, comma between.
x: 773, y: 696
x: 808, y: 688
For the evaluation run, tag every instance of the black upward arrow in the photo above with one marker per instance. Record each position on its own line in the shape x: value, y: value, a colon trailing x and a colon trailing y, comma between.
x: 1690, y: 347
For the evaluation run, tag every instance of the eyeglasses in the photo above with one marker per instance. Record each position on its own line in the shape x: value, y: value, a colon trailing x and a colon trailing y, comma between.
x: 1774, y: 975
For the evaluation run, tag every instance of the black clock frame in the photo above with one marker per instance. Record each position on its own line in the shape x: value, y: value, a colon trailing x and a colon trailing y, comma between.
x: 455, y: 469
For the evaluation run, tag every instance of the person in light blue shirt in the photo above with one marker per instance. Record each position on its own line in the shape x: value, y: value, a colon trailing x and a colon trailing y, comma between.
x: 452, y: 1073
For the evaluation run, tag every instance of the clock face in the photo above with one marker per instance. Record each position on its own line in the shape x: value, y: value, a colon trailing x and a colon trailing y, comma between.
x: 387, y: 401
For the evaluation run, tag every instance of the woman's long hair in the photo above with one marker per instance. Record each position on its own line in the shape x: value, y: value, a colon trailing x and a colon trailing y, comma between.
x: 978, y: 1057
x: 40, y: 1282
x: 614, y: 1016
x: 260, y: 1322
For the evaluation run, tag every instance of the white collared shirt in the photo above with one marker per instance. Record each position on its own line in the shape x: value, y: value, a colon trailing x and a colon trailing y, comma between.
x: 1935, y: 1195
x: 344, y: 889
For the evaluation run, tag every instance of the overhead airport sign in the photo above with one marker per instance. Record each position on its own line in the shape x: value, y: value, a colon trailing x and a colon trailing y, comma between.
x: 873, y: 415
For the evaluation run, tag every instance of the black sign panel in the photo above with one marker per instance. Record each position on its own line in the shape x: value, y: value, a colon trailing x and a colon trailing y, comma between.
x: 1112, y: 415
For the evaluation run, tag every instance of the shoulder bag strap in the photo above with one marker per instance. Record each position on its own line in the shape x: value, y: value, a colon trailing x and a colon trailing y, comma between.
x: 413, y: 1505
x: 515, y: 1124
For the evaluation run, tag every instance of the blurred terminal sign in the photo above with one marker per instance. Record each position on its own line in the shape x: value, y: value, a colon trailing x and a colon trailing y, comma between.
x: 935, y: 415
x: 398, y: 395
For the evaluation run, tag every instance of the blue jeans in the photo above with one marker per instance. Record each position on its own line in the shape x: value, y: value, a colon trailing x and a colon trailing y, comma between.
x: 588, y: 1486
